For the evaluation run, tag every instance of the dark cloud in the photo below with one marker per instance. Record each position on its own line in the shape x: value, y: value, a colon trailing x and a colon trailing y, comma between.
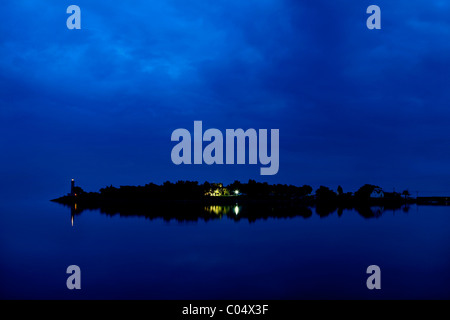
x: 353, y: 106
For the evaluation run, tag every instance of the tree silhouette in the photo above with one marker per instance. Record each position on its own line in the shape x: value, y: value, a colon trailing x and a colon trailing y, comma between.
x: 406, y: 193
x: 365, y: 191
x: 325, y: 194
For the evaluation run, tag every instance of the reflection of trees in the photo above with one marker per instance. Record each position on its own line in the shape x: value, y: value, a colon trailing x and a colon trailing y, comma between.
x: 194, y: 212
x: 185, y: 212
x: 370, y: 212
x: 324, y: 210
x: 224, y: 208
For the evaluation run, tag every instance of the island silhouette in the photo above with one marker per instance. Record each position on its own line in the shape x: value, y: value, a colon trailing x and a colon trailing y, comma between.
x: 190, y: 200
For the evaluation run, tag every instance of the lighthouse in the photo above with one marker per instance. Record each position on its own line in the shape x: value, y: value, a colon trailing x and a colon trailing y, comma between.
x: 72, y: 187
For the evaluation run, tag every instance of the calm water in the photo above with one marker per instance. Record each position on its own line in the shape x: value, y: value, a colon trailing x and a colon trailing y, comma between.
x: 289, y: 258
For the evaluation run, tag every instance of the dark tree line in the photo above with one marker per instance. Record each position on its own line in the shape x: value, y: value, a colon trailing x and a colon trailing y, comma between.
x: 194, y: 190
x: 324, y: 198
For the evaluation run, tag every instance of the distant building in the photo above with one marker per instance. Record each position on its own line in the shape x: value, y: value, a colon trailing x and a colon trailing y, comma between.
x: 72, y: 188
x: 377, y: 193
x: 217, y: 190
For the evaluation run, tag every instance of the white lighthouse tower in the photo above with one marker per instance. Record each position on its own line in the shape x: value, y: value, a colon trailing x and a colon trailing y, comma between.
x: 72, y: 187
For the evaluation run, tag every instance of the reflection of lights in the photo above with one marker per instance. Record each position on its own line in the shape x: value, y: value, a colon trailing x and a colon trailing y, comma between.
x: 219, y: 210
x: 214, y: 209
x: 236, y: 210
x: 75, y: 206
x: 71, y: 220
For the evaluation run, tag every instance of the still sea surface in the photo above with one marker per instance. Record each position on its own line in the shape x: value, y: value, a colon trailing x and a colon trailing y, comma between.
x: 297, y: 257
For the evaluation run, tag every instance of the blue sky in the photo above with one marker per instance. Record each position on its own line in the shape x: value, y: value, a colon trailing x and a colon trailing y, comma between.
x: 99, y: 104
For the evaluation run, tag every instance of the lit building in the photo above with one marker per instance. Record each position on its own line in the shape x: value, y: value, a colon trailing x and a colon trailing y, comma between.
x: 377, y: 193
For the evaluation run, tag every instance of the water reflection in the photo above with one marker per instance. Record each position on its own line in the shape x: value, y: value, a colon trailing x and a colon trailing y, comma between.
x: 306, y: 257
x: 223, y: 210
x: 74, y: 211
x: 250, y: 212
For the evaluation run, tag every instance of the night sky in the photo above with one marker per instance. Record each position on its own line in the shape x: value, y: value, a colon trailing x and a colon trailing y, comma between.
x: 99, y: 104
